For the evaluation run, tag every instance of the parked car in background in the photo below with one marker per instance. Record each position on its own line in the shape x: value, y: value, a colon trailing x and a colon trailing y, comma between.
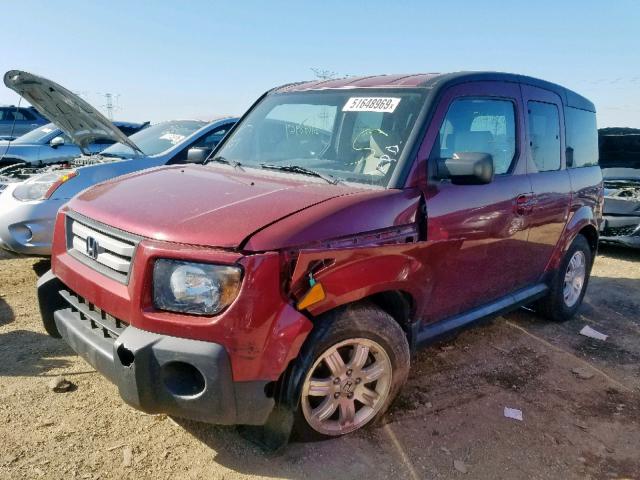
x: 48, y: 145
x: 28, y: 207
x: 32, y: 196
x: 339, y: 225
x: 620, y: 163
x: 16, y: 121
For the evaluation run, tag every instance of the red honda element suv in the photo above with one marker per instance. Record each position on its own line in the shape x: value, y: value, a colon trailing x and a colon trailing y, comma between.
x: 339, y: 225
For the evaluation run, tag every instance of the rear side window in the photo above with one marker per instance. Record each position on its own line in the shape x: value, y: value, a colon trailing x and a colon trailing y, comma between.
x: 544, y: 135
x: 480, y: 125
x: 19, y: 115
x: 26, y: 115
x: 582, y: 138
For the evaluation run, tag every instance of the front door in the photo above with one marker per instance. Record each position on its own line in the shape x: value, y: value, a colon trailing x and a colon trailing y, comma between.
x: 477, y: 234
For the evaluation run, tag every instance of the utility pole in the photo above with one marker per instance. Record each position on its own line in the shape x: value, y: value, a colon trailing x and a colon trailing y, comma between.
x: 109, y: 105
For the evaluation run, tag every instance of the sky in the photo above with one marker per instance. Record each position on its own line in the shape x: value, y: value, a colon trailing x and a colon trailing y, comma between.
x: 164, y: 60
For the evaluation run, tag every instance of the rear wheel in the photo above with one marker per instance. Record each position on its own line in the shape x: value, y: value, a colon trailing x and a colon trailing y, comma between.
x: 351, y: 370
x: 569, y: 283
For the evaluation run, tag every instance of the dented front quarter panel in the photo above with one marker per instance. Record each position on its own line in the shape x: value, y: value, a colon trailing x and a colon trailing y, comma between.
x: 357, y: 273
x: 354, y: 246
x: 352, y: 215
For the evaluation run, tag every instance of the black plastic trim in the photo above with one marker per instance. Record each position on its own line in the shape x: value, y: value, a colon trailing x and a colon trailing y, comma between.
x: 500, y: 306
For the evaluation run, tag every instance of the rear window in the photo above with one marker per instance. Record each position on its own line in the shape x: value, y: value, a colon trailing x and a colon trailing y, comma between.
x: 582, y: 138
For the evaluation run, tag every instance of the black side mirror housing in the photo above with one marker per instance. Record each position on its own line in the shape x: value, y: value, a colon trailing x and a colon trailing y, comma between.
x: 467, y: 168
x: 197, y: 154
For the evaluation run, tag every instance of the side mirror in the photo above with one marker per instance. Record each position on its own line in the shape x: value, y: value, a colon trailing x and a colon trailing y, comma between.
x: 197, y: 154
x: 467, y: 168
x: 56, y: 142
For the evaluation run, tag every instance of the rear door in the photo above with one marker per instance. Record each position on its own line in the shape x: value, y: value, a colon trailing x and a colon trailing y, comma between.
x: 546, y: 168
x: 477, y: 234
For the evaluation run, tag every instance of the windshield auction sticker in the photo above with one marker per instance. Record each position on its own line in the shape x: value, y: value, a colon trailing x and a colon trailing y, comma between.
x: 371, y: 104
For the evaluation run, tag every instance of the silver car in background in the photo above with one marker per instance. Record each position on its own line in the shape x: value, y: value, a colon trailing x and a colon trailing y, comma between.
x: 28, y: 208
x: 30, y: 197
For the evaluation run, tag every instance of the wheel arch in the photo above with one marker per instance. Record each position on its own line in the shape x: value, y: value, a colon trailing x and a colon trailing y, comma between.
x: 582, y: 222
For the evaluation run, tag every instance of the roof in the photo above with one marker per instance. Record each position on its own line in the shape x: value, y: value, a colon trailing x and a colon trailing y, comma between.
x: 436, y: 81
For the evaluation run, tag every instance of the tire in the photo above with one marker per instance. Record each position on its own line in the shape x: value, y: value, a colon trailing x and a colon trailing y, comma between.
x: 556, y: 306
x: 383, y: 355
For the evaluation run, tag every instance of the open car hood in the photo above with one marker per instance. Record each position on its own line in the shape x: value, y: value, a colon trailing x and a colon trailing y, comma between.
x: 75, y: 117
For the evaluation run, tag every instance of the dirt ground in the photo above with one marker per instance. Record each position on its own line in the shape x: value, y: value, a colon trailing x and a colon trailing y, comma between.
x: 449, y: 418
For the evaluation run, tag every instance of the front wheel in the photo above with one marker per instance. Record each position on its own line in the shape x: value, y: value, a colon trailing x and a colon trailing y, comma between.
x: 569, y: 283
x: 352, y: 369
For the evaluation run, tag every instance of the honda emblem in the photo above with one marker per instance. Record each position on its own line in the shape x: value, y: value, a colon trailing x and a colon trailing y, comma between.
x: 92, y: 247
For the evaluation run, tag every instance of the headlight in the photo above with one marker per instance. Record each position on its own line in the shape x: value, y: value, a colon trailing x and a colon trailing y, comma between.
x: 41, y: 187
x: 198, y: 288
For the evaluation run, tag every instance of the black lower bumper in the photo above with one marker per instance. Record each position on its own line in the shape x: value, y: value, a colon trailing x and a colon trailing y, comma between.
x: 157, y: 373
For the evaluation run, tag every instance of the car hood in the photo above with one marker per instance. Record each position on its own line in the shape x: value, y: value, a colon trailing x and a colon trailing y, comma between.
x: 197, y: 205
x: 75, y: 117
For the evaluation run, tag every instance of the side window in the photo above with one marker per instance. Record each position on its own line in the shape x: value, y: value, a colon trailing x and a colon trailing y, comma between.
x: 102, y: 141
x: 212, y: 139
x: 480, y: 125
x: 6, y: 114
x: 544, y: 135
x: 26, y: 114
x: 582, y: 138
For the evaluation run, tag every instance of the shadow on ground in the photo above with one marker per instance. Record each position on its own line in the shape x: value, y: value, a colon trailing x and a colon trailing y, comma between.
x: 6, y: 313
x: 28, y: 353
x: 42, y: 266
x: 619, y: 253
x: 612, y: 307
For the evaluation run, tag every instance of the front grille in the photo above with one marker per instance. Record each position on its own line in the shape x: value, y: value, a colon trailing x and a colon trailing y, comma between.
x: 619, y: 231
x: 104, y: 248
x: 99, y: 321
x: 3, y: 186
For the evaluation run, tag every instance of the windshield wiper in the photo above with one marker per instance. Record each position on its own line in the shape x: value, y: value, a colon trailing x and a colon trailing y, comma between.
x: 303, y: 170
x: 221, y: 159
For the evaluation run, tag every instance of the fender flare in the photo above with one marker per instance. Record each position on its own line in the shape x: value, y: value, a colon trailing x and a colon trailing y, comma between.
x: 581, y: 218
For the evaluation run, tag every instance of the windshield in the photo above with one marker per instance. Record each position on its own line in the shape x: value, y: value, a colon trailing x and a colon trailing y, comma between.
x: 38, y: 135
x: 156, y: 139
x: 355, y: 135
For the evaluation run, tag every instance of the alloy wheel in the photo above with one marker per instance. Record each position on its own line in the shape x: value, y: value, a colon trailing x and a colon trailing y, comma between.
x: 346, y: 386
x: 574, y: 278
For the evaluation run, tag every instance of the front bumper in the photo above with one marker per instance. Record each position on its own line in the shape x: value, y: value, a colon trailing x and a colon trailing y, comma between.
x: 27, y: 227
x: 154, y: 373
x: 621, y: 230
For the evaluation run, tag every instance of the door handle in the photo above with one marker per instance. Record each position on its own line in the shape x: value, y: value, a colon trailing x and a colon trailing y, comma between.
x: 524, y: 203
